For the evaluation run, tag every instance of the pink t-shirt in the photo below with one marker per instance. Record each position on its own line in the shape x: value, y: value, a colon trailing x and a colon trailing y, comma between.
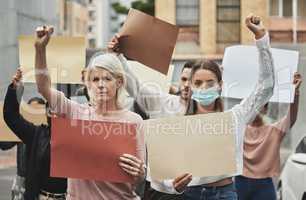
x: 98, y: 190
x: 261, y: 156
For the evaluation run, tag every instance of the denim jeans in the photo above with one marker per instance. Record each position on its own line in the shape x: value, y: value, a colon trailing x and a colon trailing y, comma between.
x: 227, y: 192
x: 254, y: 189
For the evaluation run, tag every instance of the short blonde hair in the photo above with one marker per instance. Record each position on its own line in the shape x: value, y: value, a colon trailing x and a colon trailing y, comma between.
x: 111, y: 63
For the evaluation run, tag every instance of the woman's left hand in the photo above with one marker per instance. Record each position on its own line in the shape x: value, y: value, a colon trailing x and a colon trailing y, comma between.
x: 255, y: 25
x: 133, y: 166
x: 17, y: 79
x: 113, y: 45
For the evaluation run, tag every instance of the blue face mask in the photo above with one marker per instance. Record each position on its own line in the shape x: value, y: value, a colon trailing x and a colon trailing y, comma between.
x: 205, y: 96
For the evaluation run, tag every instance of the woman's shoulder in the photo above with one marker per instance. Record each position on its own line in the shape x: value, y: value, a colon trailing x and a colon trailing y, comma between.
x: 132, y: 116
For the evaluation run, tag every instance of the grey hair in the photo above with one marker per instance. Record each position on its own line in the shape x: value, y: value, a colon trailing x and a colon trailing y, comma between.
x: 111, y: 63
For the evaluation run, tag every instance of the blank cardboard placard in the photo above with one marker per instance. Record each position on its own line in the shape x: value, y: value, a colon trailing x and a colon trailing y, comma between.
x: 148, y: 40
x: 241, y: 69
x: 203, y: 145
x: 36, y: 115
x: 90, y: 149
x: 6, y: 135
x: 65, y: 58
x: 151, y: 77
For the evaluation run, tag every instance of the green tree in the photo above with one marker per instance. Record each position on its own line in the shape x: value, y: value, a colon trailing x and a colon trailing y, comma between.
x: 146, y: 6
x: 120, y: 9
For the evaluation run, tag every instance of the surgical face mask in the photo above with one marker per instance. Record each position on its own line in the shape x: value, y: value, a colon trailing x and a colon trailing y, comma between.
x: 205, y: 96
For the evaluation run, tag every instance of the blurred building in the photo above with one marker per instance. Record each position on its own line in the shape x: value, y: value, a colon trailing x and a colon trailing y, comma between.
x: 18, y: 17
x: 103, y: 21
x: 73, y: 17
x: 288, y: 21
x: 208, y: 26
x: 99, y: 26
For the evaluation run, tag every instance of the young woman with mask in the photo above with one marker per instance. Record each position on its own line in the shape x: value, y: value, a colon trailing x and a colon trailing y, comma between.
x: 105, y: 81
x: 261, y: 156
x: 206, y: 83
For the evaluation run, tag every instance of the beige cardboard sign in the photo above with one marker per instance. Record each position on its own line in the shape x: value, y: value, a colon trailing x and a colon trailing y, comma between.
x: 203, y: 145
x: 65, y: 58
x: 34, y: 114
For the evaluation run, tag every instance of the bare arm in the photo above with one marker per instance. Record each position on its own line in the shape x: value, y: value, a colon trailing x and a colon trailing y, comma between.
x: 57, y: 100
x: 42, y: 76
x: 294, y: 107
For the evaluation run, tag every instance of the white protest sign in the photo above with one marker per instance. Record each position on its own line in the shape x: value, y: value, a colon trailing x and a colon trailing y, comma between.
x: 241, y: 69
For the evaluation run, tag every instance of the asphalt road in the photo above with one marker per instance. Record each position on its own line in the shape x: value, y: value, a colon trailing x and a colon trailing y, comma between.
x: 6, y: 180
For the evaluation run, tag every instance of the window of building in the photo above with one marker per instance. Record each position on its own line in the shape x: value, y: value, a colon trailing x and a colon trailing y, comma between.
x: 284, y: 8
x: 78, y: 25
x: 89, y: 29
x: 187, y: 12
x: 92, y: 43
x: 92, y: 15
x: 287, y: 8
x: 228, y: 21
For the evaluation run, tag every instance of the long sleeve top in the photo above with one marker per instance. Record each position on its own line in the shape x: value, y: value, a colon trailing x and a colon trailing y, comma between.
x: 79, y: 189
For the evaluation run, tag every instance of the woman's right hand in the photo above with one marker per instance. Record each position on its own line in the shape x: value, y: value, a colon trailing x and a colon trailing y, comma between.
x: 180, y: 183
x: 43, y: 34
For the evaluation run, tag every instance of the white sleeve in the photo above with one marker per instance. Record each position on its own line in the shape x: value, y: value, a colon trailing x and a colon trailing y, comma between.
x: 251, y: 105
x: 165, y: 186
x: 151, y: 99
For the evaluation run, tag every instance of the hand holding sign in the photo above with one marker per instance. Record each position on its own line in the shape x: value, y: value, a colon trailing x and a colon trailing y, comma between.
x: 181, y: 182
x: 132, y: 166
x: 146, y: 39
x: 297, y: 82
x: 113, y: 45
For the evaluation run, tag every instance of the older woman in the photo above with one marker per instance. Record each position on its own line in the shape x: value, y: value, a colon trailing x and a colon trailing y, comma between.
x: 105, y: 83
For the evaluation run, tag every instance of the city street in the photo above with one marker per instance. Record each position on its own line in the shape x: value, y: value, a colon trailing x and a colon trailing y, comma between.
x: 6, y: 180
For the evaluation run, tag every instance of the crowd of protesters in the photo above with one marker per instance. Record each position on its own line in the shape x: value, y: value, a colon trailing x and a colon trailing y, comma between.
x: 106, y: 79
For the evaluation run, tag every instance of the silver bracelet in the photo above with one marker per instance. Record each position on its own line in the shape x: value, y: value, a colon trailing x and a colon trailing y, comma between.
x: 42, y: 72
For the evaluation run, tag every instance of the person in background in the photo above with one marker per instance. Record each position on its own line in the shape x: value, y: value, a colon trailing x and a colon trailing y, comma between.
x: 38, y: 183
x: 261, y: 156
x: 18, y: 187
x: 82, y: 91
